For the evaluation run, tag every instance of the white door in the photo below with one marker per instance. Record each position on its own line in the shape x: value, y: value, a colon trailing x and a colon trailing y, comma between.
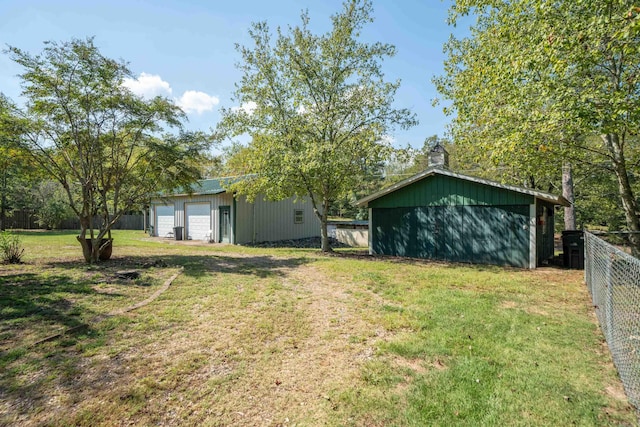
x: 164, y: 221
x: 198, y: 220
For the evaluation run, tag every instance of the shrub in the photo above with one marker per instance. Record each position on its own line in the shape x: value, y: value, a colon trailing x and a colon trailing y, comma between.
x: 52, y: 213
x: 51, y: 208
x: 11, y: 248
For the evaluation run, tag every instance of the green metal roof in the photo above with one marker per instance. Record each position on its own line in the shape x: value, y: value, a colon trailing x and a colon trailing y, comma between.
x: 433, y: 171
x: 207, y: 186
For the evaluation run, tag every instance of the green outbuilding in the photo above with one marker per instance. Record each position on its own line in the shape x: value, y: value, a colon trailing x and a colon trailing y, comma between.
x: 443, y: 215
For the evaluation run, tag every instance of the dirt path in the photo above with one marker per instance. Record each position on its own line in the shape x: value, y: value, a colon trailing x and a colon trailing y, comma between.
x: 301, y: 381
x: 229, y: 374
x: 332, y: 354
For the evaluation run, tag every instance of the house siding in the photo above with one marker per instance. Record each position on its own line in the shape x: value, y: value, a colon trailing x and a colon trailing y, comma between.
x: 253, y: 222
x: 265, y: 221
x: 477, y: 234
x: 440, y: 190
x: 215, y: 200
x: 244, y: 216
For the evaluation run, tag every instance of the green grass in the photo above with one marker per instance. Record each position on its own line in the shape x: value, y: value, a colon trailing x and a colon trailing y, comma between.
x: 485, y: 346
x: 255, y: 336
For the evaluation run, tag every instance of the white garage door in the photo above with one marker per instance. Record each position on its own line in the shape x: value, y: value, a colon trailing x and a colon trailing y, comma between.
x: 198, y: 220
x: 164, y: 220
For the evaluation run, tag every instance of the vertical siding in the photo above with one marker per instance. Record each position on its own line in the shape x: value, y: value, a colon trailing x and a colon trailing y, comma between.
x: 216, y: 200
x: 275, y: 220
x: 244, y: 220
x: 179, y: 211
x: 439, y: 190
x: 477, y: 234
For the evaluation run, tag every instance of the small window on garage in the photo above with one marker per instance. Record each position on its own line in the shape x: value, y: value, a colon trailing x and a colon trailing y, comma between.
x: 298, y: 216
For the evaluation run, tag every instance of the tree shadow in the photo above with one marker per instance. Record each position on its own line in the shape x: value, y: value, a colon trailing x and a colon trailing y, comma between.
x: 33, y: 307
x: 33, y: 301
x: 37, y: 298
x: 41, y: 232
x: 366, y: 256
x: 261, y: 266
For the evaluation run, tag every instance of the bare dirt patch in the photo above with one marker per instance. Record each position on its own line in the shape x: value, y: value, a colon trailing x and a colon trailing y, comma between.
x: 415, y: 365
x: 617, y: 392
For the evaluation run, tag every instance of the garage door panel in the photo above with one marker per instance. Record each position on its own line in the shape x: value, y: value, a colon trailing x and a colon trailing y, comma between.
x: 198, y: 220
x: 164, y: 220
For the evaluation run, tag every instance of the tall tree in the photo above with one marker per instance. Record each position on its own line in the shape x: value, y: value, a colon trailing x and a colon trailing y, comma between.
x: 16, y: 171
x: 102, y: 143
x: 536, y: 77
x: 317, y: 108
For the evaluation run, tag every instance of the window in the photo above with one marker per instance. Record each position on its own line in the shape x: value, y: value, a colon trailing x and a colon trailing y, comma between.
x: 298, y: 216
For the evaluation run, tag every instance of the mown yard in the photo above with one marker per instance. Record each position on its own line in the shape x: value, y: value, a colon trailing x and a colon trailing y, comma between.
x: 255, y: 336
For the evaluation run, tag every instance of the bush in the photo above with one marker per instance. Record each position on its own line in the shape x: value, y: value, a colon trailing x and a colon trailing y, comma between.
x: 51, y: 208
x: 11, y: 248
x: 52, y: 213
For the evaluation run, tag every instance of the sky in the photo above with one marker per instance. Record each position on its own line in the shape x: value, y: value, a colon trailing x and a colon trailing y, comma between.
x: 185, y: 49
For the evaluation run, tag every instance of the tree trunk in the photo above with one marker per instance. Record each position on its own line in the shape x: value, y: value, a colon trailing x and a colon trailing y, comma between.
x: 326, y: 245
x: 90, y: 250
x: 3, y: 214
x: 3, y: 200
x: 567, y: 193
x: 629, y: 205
x: 86, y: 248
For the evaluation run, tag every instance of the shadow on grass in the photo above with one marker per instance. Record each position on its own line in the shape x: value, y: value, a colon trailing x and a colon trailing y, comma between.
x: 29, y: 374
x: 363, y: 254
x: 31, y: 297
x: 42, y: 232
x: 196, y: 265
x: 32, y: 307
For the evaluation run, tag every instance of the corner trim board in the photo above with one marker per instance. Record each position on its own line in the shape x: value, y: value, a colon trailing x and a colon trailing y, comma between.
x: 533, y: 254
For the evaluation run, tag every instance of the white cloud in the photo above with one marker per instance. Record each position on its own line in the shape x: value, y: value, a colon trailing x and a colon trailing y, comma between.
x: 148, y: 85
x: 193, y: 101
x: 152, y: 85
x: 247, y: 107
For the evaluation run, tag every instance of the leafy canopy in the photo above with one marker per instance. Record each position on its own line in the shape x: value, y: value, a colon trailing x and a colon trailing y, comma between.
x: 103, y: 144
x: 316, y: 107
x: 537, y: 78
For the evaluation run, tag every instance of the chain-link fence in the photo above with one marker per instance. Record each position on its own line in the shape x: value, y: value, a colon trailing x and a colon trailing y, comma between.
x: 613, y: 278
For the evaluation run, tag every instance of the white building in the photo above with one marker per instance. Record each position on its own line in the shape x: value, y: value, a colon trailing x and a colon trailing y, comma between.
x: 211, y: 213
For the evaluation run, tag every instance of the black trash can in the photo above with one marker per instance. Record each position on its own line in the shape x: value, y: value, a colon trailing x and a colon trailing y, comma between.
x: 177, y: 232
x: 573, y: 249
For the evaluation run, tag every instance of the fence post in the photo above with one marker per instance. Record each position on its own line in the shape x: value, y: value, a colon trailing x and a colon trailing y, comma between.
x: 587, y: 263
x: 609, y: 298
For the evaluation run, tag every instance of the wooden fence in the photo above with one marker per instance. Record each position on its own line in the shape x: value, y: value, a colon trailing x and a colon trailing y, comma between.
x: 22, y: 219
x: 26, y: 220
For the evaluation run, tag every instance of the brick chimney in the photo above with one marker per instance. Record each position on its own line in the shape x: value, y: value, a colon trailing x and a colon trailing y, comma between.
x: 438, y: 157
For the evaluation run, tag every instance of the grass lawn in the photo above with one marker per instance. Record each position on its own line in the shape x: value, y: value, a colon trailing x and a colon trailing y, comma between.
x: 283, y: 337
